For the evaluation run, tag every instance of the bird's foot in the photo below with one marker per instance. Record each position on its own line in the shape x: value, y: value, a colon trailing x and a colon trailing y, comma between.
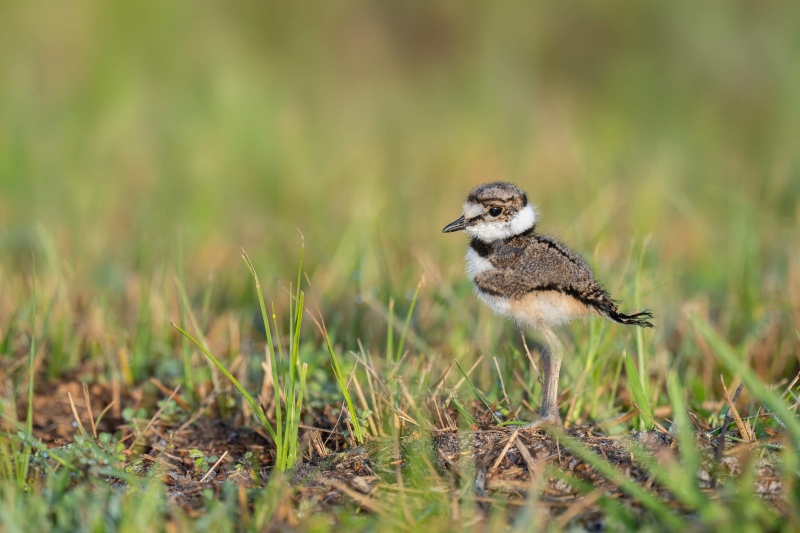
x: 552, y: 419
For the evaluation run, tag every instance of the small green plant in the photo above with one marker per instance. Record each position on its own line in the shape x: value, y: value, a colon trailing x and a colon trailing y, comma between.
x: 202, y: 464
x: 248, y: 463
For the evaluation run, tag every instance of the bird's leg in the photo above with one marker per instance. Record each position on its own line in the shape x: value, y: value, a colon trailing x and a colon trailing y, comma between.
x: 545, y: 375
x: 551, y: 369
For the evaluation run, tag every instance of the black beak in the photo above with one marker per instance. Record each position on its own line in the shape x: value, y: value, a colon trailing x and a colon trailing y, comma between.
x: 458, y: 225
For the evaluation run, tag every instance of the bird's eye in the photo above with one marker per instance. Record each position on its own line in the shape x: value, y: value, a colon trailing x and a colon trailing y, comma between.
x: 495, y: 211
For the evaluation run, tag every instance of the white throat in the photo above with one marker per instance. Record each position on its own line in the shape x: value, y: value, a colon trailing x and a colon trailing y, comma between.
x: 490, y: 231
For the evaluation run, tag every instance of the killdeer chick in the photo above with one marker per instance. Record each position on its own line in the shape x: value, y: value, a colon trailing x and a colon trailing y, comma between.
x: 530, y: 277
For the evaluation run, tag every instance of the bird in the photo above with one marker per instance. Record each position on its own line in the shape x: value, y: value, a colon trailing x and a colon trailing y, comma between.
x: 531, y: 277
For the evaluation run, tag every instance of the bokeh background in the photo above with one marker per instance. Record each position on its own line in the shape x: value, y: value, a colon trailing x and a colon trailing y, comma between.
x: 133, y: 133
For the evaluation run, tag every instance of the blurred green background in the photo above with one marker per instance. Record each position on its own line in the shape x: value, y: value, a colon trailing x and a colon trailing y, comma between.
x: 129, y: 129
x: 142, y: 142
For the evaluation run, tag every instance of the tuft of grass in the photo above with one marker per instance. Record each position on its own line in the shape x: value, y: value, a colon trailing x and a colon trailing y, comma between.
x: 289, y: 377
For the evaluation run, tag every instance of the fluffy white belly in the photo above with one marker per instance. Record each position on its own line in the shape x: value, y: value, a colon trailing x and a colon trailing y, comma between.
x: 498, y: 304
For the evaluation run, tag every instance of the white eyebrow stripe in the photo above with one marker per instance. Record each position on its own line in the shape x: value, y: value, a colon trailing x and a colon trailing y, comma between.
x: 472, y: 210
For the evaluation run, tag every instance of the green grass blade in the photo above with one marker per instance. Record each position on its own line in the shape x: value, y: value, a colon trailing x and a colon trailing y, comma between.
x: 22, y: 460
x: 638, y: 393
x: 300, y: 272
x: 295, y: 348
x: 276, y: 360
x: 254, y: 404
x: 277, y: 372
x: 6, y: 344
x: 681, y: 481
x: 690, y: 457
x: 407, y: 323
x: 205, y: 307
x: 463, y: 412
x: 610, y: 506
x: 188, y: 376
x: 589, y: 368
x: 260, y: 294
x: 637, y: 300
x: 612, y: 396
x: 296, y: 421
x: 297, y: 308
x: 288, y: 380
x: 390, y: 331
x: 296, y: 303
x: 337, y: 371
x: 478, y: 394
x: 32, y: 351
x: 279, y: 366
x: 288, y: 383
x: 185, y: 352
x: 733, y: 362
x: 187, y: 307
x: 683, y: 478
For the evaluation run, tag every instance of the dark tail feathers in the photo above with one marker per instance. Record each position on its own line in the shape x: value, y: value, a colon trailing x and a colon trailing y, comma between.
x: 641, y: 319
x: 607, y: 306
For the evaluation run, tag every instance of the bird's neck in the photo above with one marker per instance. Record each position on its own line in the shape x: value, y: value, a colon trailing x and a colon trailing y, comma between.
x: 482, y: 247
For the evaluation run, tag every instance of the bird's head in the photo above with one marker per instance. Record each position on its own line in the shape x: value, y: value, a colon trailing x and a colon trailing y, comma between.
x: 495, y: 211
